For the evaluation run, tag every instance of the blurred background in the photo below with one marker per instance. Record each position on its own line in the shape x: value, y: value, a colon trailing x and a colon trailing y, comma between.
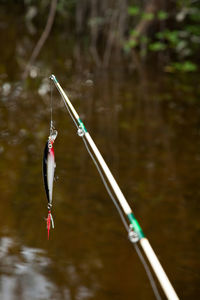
x: 131, y: 69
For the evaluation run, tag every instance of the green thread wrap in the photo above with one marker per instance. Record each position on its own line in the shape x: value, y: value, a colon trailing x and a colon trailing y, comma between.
x: 136, y: 225
x: 82, y: 125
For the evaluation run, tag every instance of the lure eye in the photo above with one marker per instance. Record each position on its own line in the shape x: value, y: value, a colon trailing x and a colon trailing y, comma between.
x: 50, y: 145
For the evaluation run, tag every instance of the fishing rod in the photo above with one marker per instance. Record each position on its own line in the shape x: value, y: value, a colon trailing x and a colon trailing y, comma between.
x: 135, y: 231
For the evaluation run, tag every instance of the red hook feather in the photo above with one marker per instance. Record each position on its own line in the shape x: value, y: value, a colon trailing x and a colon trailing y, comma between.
x: 48, y: 222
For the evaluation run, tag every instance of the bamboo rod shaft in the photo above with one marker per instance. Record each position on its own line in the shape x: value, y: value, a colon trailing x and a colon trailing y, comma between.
x: 158, y: 269
x: 109, y: 175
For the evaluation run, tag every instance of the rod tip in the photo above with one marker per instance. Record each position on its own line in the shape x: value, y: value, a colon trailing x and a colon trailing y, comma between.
x: 53, y: 77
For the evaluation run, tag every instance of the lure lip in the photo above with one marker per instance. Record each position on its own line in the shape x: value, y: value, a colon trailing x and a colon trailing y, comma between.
x: 53, y: 135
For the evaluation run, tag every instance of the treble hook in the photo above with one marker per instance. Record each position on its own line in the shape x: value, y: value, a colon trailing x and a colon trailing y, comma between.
x: 50, y: 222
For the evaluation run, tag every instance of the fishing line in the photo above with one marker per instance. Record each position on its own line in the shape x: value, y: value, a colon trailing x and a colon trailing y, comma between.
x: 51, y: 108
x: 73, y: 119
x: 148, y: 272
x: 51, y: 101
x: 106, y: 186
x: 100, y: 172
x: 138, y: 251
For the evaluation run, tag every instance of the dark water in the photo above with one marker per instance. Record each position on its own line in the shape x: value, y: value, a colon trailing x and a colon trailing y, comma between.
x: 147, y: 126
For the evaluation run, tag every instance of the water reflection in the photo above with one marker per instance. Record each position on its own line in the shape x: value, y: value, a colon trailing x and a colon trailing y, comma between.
x: 26, y: 275
x: 22, y: 271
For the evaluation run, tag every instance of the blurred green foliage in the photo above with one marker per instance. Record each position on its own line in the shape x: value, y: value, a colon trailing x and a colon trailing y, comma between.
x: 176, y: 35
x: 170, y: 31
x: 134, y: 10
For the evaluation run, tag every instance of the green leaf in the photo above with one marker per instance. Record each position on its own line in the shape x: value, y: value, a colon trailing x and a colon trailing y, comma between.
x: 148, y: 16
x: 132, y: 43
x: 186, y: 66
x: 133, y: 32
x: 157, y: 46
x: 172, y: 36
x: 162, y: 15
x: 133, y: 10
x: 194, y: 29
x: 144, y: 39
x: 160, y: 35
x: 194, y: 14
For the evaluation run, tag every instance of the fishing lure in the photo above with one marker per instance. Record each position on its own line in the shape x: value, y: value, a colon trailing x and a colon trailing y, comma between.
x: 48, y: 173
